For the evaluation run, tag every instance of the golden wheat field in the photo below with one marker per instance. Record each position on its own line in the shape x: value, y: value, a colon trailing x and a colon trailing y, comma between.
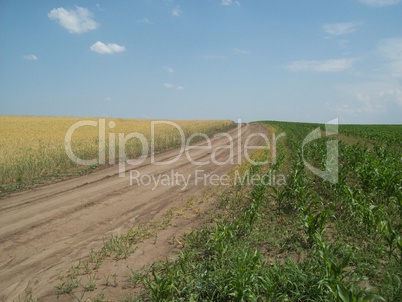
x: 33, y: 149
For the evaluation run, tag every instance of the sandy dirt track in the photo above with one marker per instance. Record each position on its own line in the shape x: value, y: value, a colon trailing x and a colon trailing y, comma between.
x: 42, y: 231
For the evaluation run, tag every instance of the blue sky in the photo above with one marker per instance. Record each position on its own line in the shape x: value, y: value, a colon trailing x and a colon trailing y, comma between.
x: 285, y: 60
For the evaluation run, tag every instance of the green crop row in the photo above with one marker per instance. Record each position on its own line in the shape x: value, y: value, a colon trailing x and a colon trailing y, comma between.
x: 309, y: 240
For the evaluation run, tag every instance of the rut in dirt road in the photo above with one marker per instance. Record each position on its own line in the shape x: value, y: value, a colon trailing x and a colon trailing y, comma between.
x: 44, y: 230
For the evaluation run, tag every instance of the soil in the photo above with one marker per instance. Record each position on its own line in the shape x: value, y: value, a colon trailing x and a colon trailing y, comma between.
x: 44, y: 230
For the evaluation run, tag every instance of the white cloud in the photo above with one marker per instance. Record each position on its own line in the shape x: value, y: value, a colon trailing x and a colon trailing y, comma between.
x: 168, y: 85
x: 169, y: 69
x: 229, y: 2
x: 110, y: 48
x: 339, y: 29
x: 171, y: 86
x: 144, y: 20
x: 214, y: 57
x: 368, y: 103
x: 379, y: 3
x: 30, y: 57
x: 99, y: 7
x: 176, y: 11
x: 238, y: 51
x: 391, y: 49
x: 344, y: 43
x: 321, y: 66
x: 375, y: 100
x: 365, y: 104
x: 75, y: 21
x: 392, y: 95
x: 362, y: 104
x: 378, y: 95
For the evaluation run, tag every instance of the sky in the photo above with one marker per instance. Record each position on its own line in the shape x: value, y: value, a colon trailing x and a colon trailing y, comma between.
x: 287, y: 60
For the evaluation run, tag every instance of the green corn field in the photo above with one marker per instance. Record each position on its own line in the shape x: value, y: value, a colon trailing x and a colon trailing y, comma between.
x: 308, y: 240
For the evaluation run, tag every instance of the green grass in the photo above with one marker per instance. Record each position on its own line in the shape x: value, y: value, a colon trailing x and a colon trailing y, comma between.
x: 309, y: 240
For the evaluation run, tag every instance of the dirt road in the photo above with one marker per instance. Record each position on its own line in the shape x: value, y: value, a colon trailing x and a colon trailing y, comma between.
x: 42, y: 231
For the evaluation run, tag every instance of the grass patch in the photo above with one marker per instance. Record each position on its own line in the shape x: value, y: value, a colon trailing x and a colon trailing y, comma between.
x: 306, y: 241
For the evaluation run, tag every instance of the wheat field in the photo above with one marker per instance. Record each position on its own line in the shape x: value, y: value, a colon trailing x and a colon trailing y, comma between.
x: 32, y: 149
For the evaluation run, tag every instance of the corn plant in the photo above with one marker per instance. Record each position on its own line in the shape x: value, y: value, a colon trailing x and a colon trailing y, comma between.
x: 342, y: 283
x: 245, y: 279
x: 314, y: 223
x: 162, y: 287
x: 68, y: 286
x: 391, y: 236
x: 279, y: 196
x: 91, y: 285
